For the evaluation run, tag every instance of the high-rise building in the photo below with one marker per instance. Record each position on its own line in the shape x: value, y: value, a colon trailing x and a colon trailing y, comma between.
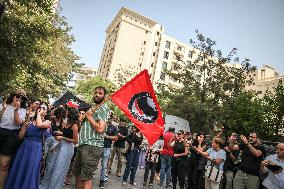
x: 134, y: 43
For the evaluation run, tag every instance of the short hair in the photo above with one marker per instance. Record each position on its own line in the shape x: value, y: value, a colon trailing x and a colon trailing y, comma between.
x: 257, y: 135
x: 171, y: 129
x: 32, y: 100
x: 101, y: 88
x: 218, y: 141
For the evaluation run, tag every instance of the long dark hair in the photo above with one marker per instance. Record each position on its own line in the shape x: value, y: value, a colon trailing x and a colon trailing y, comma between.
x: 195, y: 142
x: 73, y: 116
x: 10, y: 99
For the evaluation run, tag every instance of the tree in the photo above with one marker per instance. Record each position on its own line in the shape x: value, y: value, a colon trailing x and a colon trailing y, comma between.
x: 273, y: 112
x: 86, y: 88
x: 243, y: 114
x: 122, y: 76
x: 35, y: 51
x: 206, y: 82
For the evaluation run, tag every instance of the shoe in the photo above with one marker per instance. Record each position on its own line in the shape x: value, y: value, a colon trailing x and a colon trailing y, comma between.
x: 144, y: 184
x: 133, y: 183
x: 106, y: 178
x: 124, y: 182
x: 150, y: 185
x: 118, y: 174
x: 101, y: 186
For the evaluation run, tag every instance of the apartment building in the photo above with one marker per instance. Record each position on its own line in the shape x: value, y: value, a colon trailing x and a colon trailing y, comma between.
x: 264, y: 78
x: 134, y: 42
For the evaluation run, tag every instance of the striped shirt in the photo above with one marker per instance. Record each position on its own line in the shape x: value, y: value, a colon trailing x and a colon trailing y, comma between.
x: 88, y: 134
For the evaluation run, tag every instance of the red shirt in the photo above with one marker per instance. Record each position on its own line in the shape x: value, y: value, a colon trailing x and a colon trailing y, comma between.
x: 167, y: 149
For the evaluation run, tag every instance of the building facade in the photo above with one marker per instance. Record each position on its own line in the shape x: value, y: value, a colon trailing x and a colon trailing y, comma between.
x: 134, y: 42
x: 263, y: 79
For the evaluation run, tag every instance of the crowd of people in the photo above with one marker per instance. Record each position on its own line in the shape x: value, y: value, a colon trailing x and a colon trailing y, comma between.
x: 42, y: 147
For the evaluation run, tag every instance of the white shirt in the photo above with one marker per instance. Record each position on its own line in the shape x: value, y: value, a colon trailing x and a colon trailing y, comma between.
x: 7, y: 119
x: 274, y: 181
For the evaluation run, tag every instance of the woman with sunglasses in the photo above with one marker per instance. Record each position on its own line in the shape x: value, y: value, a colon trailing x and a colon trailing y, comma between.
x: 25, y: 170
x: 11, y: 118
x: 178, y: 159
x: 216, y: 157
x: 195, y: 167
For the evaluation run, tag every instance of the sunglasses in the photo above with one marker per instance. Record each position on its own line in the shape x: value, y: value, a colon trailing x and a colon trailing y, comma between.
x: 20, y: 97
x: 178, y: 133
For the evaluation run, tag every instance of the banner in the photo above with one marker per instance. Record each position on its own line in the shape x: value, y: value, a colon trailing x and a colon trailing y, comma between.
x: 138, y: 101
x: 71, y: 100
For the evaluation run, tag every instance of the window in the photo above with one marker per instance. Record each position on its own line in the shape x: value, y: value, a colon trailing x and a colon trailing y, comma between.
x: 179, y: 48
x: 164, y: 65
x: 188, y: 62
x: 156, y: 43
x: 166, y: 55
x: 259, y: 92
x: 174, y: 67
x: 189, y: 54
x: 142, y: 53
x: 154, y: 53
x: 158, y: 33
x: 144, y: 42
x: 163, y: 76
x: 168, y: 45
x: 146, y: 31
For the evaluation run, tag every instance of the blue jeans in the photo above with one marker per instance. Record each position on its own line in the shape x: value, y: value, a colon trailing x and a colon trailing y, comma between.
x: 105, y: 157
x: 165, y: 169
x: 132, y: 159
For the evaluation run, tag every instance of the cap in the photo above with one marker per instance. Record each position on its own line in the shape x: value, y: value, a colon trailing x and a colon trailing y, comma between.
x: 19, y: 92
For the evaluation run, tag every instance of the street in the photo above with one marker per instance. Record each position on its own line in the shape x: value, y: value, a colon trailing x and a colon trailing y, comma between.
x: 116, y: 182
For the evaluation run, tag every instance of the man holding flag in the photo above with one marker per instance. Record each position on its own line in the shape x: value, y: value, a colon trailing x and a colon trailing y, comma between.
x: 91, y: 141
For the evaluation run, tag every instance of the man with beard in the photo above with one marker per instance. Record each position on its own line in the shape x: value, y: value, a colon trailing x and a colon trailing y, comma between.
x: 252, y: 154
x: 91, y: 141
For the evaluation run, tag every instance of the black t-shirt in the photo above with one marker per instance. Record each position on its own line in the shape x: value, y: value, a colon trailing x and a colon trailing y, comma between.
x: 249, y: 163
x: 111, y: 131
x: 68, y: 132
x: 229, y: 165
x: 134, y: 140
x: 120, y: 143
x: 179, y: 149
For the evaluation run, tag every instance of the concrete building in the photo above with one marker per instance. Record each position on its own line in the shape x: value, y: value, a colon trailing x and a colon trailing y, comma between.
x: 84, y: 73
x: 134, y: 42
x: 264, y: 78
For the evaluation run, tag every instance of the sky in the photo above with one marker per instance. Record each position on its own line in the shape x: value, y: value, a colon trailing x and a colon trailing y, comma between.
x: 254, y: 27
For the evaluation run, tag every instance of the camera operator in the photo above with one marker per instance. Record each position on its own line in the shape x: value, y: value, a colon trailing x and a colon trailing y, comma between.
x: 275, y: 177
x: 230, y: 165
x: 252, y: 154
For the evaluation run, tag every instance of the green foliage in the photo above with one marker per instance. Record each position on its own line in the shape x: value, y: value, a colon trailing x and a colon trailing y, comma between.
x: 85, y: 89
x: 35, y: 49
x: 243, y: 114
x: 207, y: 82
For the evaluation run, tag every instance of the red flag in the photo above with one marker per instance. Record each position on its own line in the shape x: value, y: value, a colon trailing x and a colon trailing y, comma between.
x: 138, y: 101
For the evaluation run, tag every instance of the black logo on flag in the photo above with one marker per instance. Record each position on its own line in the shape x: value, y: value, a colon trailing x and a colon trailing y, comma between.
x: 143, y: 108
